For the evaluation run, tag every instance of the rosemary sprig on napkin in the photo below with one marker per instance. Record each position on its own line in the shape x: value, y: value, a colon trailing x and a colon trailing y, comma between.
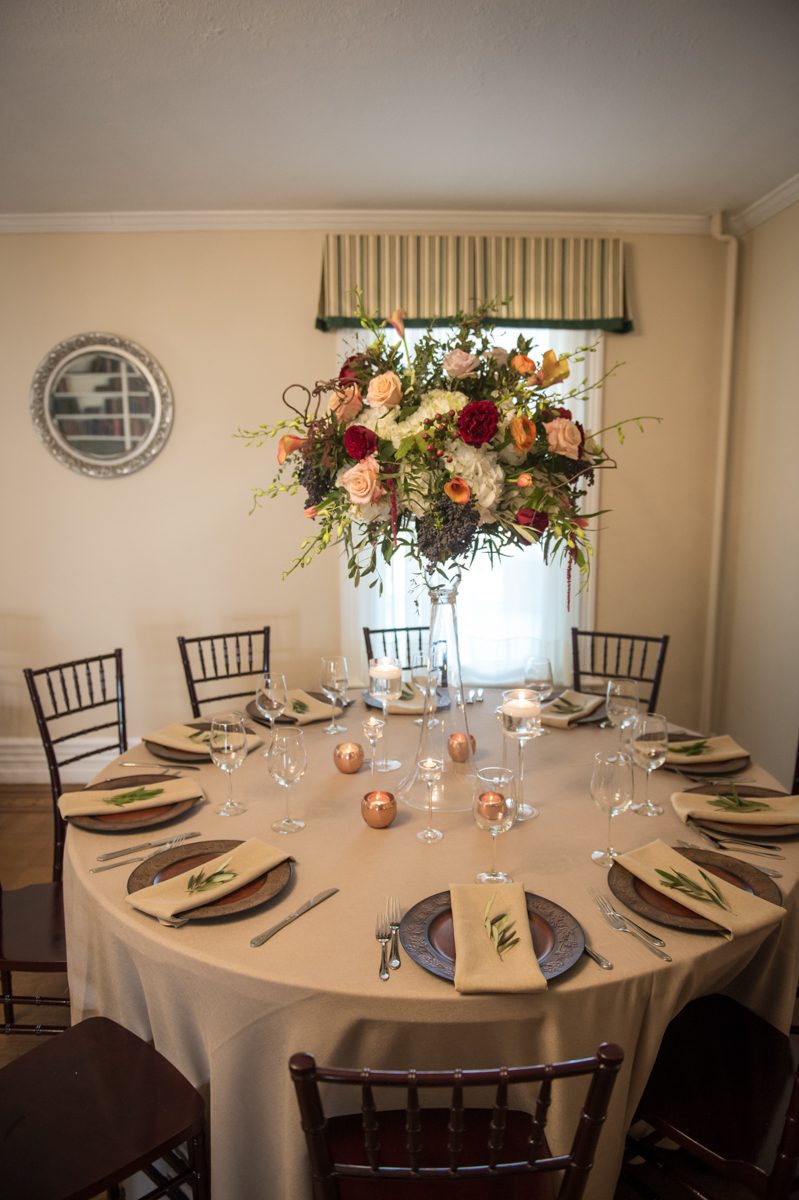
x: 692, y: 751
x: 202, y: 882
x: 689, y: 887
x: 500, y: 929
x: 565, y: 706
x: 202, y: 735
x: 139, y: 793
x: 732, y: 802
x: 299, y: 706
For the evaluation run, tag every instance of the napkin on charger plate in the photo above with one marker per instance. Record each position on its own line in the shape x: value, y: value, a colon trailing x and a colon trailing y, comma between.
x: 238, y: 867
x: 707, y: 750
x: 568, y: 707
x: 478, y: 966
x: 737, y: 809
x: 127, y: 798
x: 190, y: 739
x: 733, y: 908
x: 303, y: 708
x: 411, y: 701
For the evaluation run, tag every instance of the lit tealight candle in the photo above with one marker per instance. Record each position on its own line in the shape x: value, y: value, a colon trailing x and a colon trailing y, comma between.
x: 521, y: 708
x: 491, y: 805
x: 385, y: 672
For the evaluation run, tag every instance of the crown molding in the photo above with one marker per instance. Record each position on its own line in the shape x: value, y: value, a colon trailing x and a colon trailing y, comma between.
x: 357, y: 220
x: 766, y: 207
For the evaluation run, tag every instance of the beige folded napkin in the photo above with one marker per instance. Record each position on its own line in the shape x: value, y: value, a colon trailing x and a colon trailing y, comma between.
x: 411, y: 701
x: 303, y: 708
x: 236, y: 868
x: 764, y: 810
x: 714, y: 749
x: 193, y: 741
x: 478, y: 966
x: 738, y: 911
x: 127, y: 799
x: 561, y: 712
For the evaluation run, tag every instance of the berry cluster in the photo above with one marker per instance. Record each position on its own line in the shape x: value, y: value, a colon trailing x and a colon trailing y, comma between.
x: 437, y: 431
x: 446, y: 530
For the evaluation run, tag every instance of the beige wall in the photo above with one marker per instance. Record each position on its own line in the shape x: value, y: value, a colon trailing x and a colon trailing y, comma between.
x: 758, y: 682
x: 91, y: 564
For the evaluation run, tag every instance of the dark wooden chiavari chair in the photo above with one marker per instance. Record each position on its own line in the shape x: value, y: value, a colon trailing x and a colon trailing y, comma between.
x: 210, y: 660
x: 598, y: 657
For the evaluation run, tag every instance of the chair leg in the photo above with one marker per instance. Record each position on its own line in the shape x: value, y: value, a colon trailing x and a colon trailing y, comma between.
x: 8, y: 1004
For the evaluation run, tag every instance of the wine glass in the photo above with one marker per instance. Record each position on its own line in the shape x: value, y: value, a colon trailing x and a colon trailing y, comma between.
x: 538, y: 678
x: 287, y: 763
x: 518, y: 714
x: 271, y: 699
x: 385, y: 684
x: 649, y: 742
x: 612, y: 791
x: 373, y: 731
x: 621, y: 704
x: 430, y: 772
x: 227, y: 745
x: 494, y: 810
x: 334, y: 680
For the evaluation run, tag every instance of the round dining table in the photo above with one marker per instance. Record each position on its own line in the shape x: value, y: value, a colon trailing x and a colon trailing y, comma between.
x: 229, y: 1015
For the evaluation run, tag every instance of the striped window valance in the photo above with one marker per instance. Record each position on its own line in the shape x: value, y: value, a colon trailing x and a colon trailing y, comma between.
x: 554, y: 282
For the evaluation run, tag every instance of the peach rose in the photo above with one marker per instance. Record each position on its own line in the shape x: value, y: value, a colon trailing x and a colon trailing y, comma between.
x: 361, y: 481
x: 523, y: 431
x: 458, y: 490
x: 346, y: 404
x: 287, y: 445
x: 459, y: 363
x: 384, y: 389
x: 553, y: 369
x: 523, y: 364
x: 524, y: 481
x: 564, y: 437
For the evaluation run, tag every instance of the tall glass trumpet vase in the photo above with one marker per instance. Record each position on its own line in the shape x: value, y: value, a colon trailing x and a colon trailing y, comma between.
x: 443, y: 734
x: 649, y: 742
x: 385, y: 684
x: 519, y: 716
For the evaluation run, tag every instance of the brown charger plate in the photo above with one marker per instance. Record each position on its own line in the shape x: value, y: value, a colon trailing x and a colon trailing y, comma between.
x: 177, y: 756
x: 733, y: 828
x: 181, y: 859
x: 693, y: 766
x: 121, y: 821
x: 252, y: 711
x: 647, y: 902
x: 426, y: 932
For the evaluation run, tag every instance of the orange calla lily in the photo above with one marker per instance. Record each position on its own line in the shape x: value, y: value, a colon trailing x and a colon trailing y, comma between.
x: 287, y: 445
x: 397, y: 319
x: 553, y: 369
x: 458, y: 490
x: 523, y: 431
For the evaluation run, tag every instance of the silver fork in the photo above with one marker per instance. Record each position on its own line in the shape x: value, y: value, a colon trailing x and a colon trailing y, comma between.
x: 616, y: 921
x: 393, y: 915
x: 383, y: 935
x: 740, y: 845
x: 605, y: 906
x: 123, y: 862
x: 766, y: 870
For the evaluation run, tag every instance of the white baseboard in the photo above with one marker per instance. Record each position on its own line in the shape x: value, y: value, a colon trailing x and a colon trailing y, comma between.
x: 22, y: 760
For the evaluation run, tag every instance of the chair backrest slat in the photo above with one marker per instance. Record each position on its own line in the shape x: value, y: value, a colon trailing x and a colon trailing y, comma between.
x: 413, y: 1125
x: 455, y: 1126
x: 241, y: 655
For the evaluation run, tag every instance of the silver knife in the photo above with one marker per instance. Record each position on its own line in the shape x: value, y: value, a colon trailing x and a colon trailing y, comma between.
x: 260, y: 938
x: 142, y: 846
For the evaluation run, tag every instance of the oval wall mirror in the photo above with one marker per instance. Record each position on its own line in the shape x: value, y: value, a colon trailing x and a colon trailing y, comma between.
x: 102, y: 405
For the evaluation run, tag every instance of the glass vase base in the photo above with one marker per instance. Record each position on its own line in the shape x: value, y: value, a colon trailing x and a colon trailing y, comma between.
x: 288, y: 825
x: 493, y: 877
x: 429, y: 835
x: 526, y: 812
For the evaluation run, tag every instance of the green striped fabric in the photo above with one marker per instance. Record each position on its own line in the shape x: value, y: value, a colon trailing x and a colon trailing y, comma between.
x: 556, y: 282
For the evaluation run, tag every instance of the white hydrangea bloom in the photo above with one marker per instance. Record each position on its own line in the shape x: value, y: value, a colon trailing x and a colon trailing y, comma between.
x: 432, y: 403
x: 484, y: 475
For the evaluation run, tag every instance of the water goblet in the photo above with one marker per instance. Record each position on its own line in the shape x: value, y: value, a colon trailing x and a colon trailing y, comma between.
x: 334, y: 679
x: 271, y: 699
x: 649, y: 742
x: 287, y: 763
x: 494, y: 810
x: 621, y: 704
x: 385, y: 684
x: 612, y: 791
x: 373, y: 731
x: 518, y: 714
x: 538, y: 678
x: 430, y: 772
x: 227, y: 746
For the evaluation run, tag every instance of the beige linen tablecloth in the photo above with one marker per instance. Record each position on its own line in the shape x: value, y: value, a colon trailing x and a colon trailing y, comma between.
x: 229, y: 1016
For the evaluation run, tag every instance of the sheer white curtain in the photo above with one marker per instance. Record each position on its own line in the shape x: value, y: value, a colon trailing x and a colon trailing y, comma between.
x: 506, y: 610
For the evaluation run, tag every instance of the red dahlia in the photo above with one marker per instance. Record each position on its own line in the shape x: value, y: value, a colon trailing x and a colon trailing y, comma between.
x: 478, y: 421
x: 359, y: 442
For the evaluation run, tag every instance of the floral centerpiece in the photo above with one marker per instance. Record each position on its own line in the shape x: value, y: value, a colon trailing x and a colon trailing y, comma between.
x: 453, y: 448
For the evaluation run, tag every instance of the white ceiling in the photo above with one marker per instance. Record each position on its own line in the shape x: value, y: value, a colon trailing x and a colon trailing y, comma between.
x: 615, y: 106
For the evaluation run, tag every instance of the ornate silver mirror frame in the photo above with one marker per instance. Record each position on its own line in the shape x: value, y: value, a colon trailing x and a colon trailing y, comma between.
x: 102, y: 405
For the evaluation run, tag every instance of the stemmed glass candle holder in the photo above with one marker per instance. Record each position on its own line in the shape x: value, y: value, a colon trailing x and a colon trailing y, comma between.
x: 538, y: 679
x: 430, y: 773
x: 621, y: 704
x: 519, y: 716
x: 612, y: 791
x: 649, y: 742
x: 385, y: 684
x: 287, y: 764
x: 271, y: 699
x: 373, y: 731
x: 494, y: 810
x: 334, y: 680
x: 227, y: 746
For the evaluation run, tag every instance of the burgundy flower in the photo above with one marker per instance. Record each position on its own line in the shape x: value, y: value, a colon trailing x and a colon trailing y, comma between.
x: 478, y: 421
x: 531, y: 516
x: 353, y: 370
x: 359, y: 442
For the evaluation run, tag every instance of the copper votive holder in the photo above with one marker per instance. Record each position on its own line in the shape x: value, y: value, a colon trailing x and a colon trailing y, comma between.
x: 378, y: 809
x: 458, y: 746
x: 348, y: 757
